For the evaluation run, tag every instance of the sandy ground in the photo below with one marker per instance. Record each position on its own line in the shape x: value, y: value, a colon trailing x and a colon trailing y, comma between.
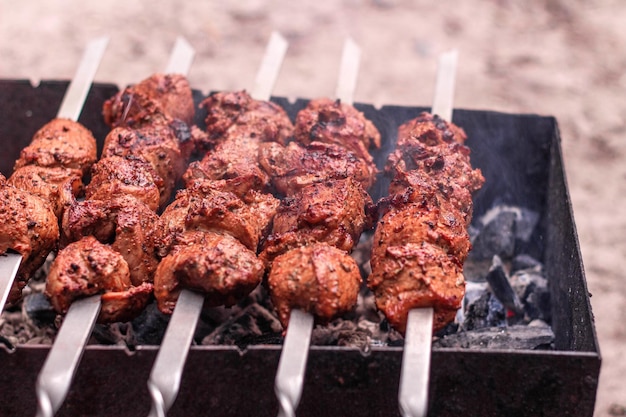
x: 551, y: 57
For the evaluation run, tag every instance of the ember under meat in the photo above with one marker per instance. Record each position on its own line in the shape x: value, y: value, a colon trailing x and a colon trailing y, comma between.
x: 28, y: 226
x: 421, y: 240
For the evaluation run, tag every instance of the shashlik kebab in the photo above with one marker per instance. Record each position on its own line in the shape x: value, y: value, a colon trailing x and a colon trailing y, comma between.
x: 216, y: 223
x: 136, y: 174
x: 83, y: 285
x: 47, y: 177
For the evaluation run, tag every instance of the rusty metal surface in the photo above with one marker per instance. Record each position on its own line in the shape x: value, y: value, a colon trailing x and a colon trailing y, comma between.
x: 521, y: 159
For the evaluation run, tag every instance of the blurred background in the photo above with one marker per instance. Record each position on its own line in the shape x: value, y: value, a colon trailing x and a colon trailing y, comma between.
x: 564, y: 58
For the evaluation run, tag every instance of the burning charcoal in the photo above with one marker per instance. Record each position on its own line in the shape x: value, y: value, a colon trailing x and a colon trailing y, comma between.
x: 501, y: 230
x: 539, y: 336
x: 524, y: 261
x: 501, y: 287
x: 484, y: 311
x: 532, y: 288
x: 149, y: 327
x: 496, y: 237
x: 341, y: 333
x: 37, y: 306
x: 252, y: 325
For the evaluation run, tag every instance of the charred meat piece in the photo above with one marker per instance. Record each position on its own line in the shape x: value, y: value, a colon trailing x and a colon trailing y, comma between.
x: 59, y: 186
x: 118, y: 176
x: 157, y: 144
x: 60, y: 143
x: 294, y: 166
x: 217, y: 265
x: 88, y: 267
x: 334, y: 211
x: 412, y: 224
x: 450, y: 161
x: 421, y: 241
x: 319, y: 279
x: 129, y: 226
x: 27, y: 226
x: 237, y: 114
x: 236, y: 156
x: 328, y: 121
x: 220, y: 207
x: 430, y: 130
x: 159, y: 98
x: 414, y: 275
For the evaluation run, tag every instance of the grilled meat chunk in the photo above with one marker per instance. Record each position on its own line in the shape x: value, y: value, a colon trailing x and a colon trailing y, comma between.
x: 220, y: 207
x: 237, y: 114
x: 319, y: 279
x: 60, y: 143
x: 421, y: 241
x: 157, y: 144
x: 27, y: 226
x: 294, y: 166
x: 431, y: 130
x: 334, y: 211
x: 58, y: 186
x: 216, y: 265
x: 118, y: 176
x: 235, y: 156
x: 129, y: 226
x: 331, y: 121
x: 158, y: 98
x: 88, y: 267
x: 414, y: 223
x: 414, y: 275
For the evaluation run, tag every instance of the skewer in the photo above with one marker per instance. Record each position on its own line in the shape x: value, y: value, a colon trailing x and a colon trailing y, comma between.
x: 71, y: 107
x: 292, y: 364
x: 58, y: 371
x: 415, y: 373
x: 166, y: 375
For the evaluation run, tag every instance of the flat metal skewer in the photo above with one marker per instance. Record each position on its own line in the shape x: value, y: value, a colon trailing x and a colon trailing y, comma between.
x: 55, y: 378
x: 415, y: 373
x: 164, y: 381
x: 293, y: 358
x: 71, y: 107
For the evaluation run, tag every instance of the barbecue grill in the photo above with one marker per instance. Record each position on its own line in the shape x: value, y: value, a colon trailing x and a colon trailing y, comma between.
x: 520, y: 157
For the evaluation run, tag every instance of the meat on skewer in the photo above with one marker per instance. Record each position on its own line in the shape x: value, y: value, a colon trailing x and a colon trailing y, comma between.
x: 323, y: 219
x: 47, y: 178
x: 137, y: 173
x: 27, y: 225
x: 214, y: 226
x: 421, y: 240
